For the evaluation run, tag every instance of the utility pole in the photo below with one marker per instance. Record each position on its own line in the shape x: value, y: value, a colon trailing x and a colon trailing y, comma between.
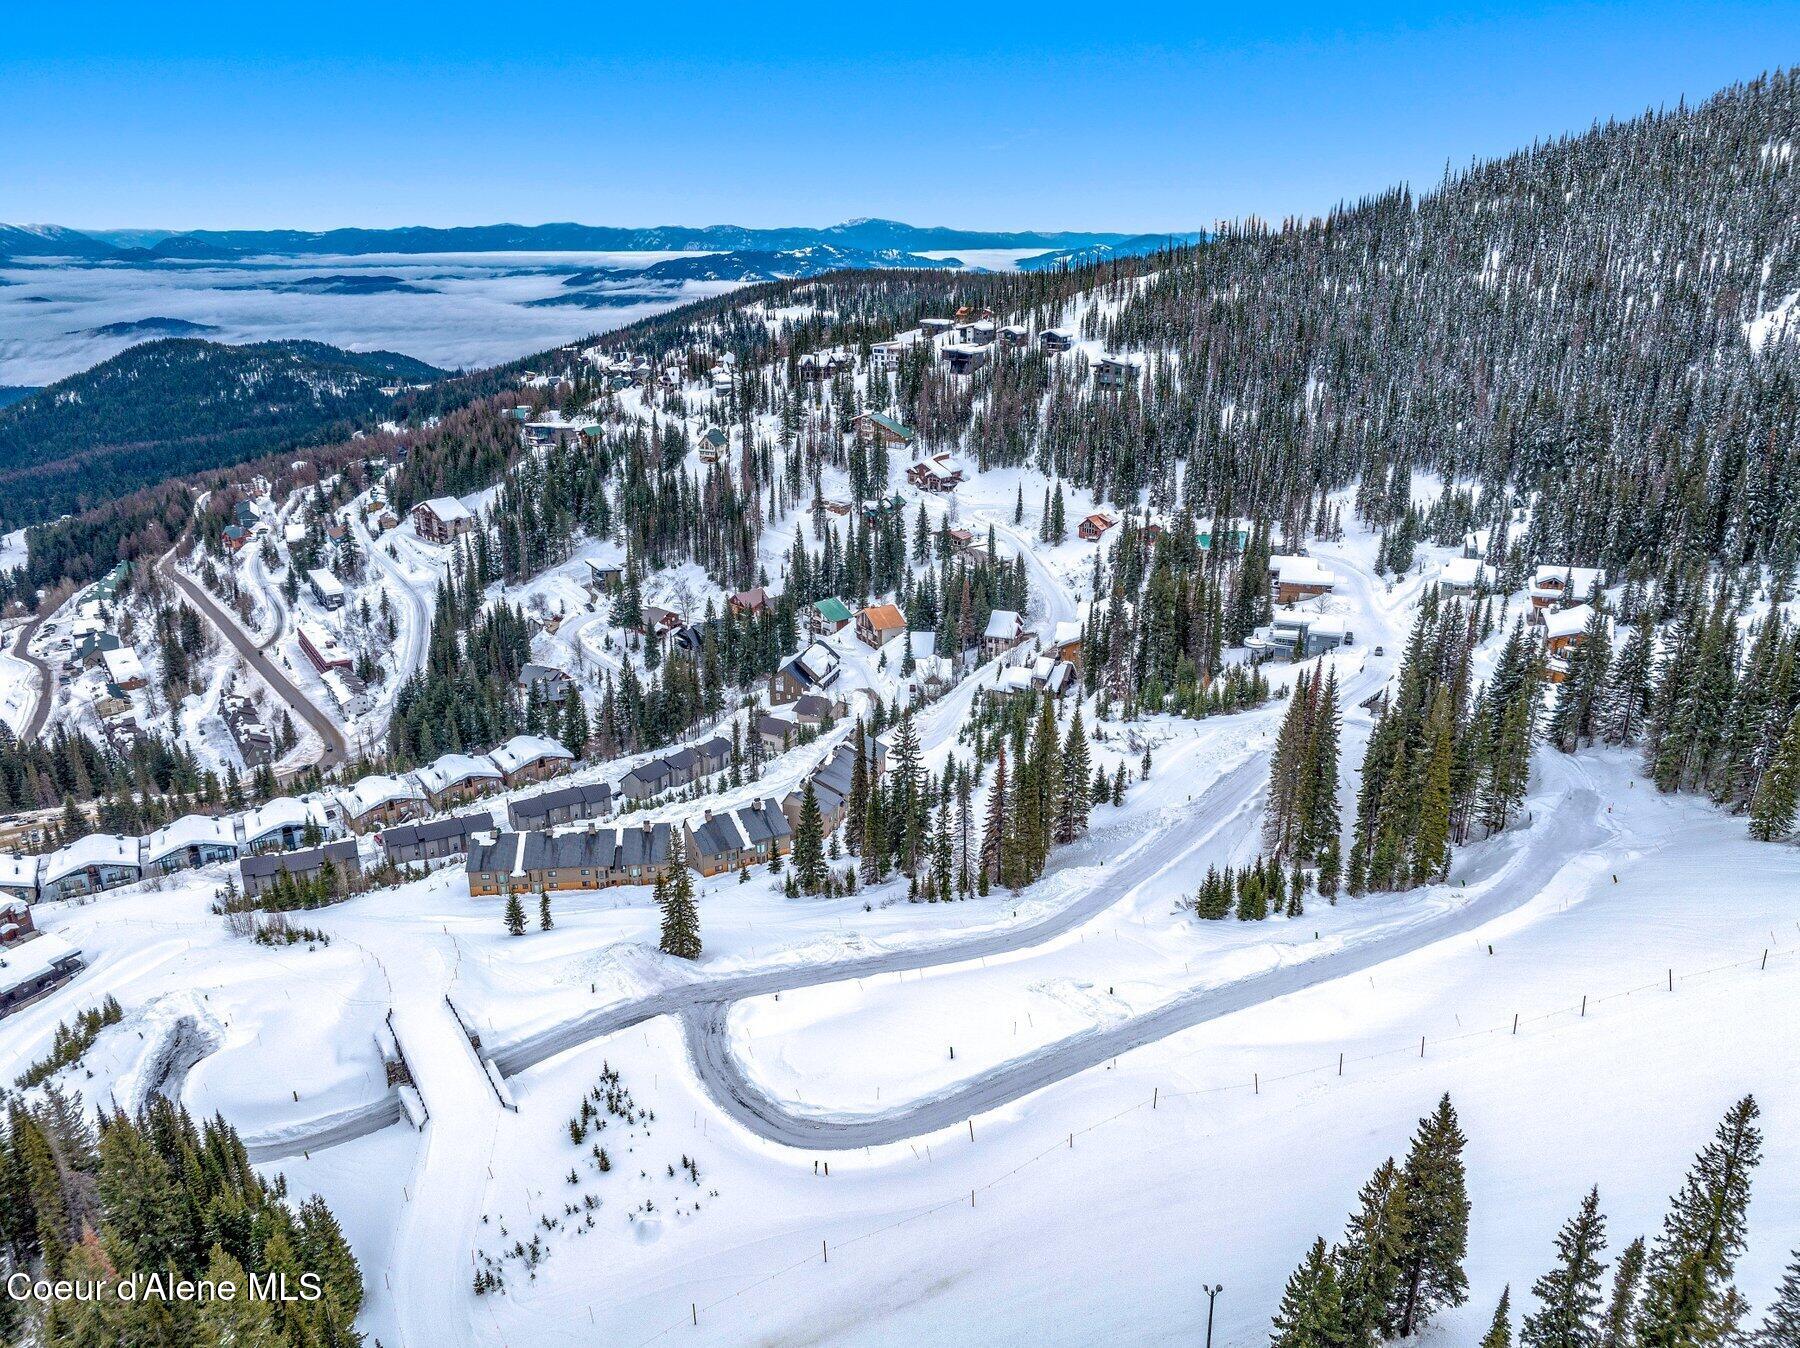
x: 1212, y: 1294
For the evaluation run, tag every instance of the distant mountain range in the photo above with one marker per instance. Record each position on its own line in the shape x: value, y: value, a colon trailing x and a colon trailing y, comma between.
x: 182, y: 405
x: 1138, y: 245
x: 619, y: 285
x: 51, y: 241
x: 872, y: 236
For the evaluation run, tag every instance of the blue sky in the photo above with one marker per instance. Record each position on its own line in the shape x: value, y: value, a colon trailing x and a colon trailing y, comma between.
x: 1135, y: 117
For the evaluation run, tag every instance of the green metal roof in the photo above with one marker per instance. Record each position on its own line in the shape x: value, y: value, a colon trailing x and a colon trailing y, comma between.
x: 891, y: 426
x: 1238, y: 537
x: 833, y: 610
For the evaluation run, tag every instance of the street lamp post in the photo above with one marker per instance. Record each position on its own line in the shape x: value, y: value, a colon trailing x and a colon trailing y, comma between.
x: 1212, y: 1294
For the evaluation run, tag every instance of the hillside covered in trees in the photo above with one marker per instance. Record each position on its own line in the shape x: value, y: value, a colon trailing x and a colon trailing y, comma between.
x: 179, y: 405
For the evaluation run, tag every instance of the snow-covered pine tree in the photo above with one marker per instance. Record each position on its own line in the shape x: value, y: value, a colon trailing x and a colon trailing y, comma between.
x: 993, y: 837
x: 809, y: 843
x: 1499, y: 1333
x: 1568, y: 1313
x: 1311, y: 1314
x: 1369, y: 1257
x: 1436, y: 1237
x: 1615, y: 1330
x: 1575, y: 719
x: 1781, y: 1327
x: 1688, y: 1297
x: 680, y: 918
x: 1072, y: 799
x: 1777, y: 798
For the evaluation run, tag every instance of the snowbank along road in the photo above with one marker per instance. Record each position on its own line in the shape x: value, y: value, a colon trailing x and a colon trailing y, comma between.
x: 1573, y: 828
x: 283, y: 687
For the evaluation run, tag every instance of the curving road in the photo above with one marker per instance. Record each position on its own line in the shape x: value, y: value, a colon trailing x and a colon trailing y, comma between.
x: 334, y: 748
x: 1573, y: 829
x: 415, y: 623
x: 46, y: 698
x: 1230, y: 797
x: 318, y: 1134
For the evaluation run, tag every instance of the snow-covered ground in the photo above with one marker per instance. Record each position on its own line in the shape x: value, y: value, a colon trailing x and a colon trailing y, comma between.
x: 1214, y: 1155
x: 1037, y: 1117
x: 20, y: 684
x: 1212, y: 1150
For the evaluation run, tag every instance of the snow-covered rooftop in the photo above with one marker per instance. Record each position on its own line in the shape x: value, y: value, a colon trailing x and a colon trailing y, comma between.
x: 374, y: 791
x: 25, y: 961
x: 1319, y: 624
x: 521, y: 750
x: 1465, y: 573
x: 282, y: 812
x: 1003, y: 625
x: 1581, y: 580
x: 1568, y: 622
x: 123, y: 665
x: 18, y: 872
x: 453, y: 769
x: 97, y: 849
x: 1294, y: 570
x: 448, y: 509
x: 187, y: 831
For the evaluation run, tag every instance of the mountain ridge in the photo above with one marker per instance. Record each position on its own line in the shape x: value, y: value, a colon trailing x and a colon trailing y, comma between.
x: 179, y: 405
x: 871, y: 234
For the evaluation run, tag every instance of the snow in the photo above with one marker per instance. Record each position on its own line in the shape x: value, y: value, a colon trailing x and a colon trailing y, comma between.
x: 1568, y: 622
x: 1465, y: 573
x: 123, y: 666
x: 1238, y: 1098
x: 1773, y: 325
x: 19, y: 687
x: 376, y: 790
x: 17, y: 872
x: 448, y: 509
x: 187, y: 831
x: 1562, y: 583
x: 454, y: 769
x: 1120, y: 1071
x: 12, y: 550
x: 95, y: 849
x: 283, y: 812
x: 1301, y: 571
x: 523, y: 750
x: 22, y: 961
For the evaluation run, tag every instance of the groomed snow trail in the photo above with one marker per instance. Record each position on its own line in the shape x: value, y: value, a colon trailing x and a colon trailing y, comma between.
x: 433, y: 1255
